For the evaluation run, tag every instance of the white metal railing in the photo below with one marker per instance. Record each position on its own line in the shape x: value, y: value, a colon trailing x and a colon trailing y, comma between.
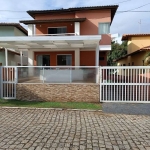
x: 60, y: 34
x: 8, y: 81
x: 125, y: 84
x: 12, y: 75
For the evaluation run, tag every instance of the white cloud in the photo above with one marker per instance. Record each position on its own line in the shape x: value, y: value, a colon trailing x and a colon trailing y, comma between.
x: 123, y: 23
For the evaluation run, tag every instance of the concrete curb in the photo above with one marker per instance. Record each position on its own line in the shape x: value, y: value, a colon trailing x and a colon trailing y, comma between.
x: 52, y: 109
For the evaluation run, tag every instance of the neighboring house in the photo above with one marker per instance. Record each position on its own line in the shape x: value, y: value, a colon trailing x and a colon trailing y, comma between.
x: 11, y: 30
x: 138, y: 47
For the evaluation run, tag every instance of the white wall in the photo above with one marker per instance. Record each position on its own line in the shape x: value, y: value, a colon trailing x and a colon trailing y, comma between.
x: 17, y: 32
x: 11, y: 59
x: 2, y: 57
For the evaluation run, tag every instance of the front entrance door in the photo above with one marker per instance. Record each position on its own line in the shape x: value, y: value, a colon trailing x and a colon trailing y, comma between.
x: 43, y: 60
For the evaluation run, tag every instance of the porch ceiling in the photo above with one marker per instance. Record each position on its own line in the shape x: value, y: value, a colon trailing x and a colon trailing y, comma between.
x: 50, y: 42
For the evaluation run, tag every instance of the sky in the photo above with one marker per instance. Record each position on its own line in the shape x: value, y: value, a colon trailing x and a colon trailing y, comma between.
x: 123, y: 22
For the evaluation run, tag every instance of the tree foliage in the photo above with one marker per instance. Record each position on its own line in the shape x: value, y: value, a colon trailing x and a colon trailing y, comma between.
x: 147, y: 59
x: 118, y: 50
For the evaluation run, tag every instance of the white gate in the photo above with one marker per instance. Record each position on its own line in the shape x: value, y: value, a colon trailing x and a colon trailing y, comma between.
x: 8, y: 82
x: 125, y: 84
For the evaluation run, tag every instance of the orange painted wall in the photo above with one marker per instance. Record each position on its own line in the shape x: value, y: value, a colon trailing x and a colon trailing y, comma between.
x: 88, y: 27
x: 93, y: 17
x: 55, y: 16
x: 87, y: 58
x: 105, y: 39
x: 43, y: 28
x: 53, y: 56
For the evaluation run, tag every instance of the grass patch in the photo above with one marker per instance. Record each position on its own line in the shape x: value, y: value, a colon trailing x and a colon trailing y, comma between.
x: 66, y: 105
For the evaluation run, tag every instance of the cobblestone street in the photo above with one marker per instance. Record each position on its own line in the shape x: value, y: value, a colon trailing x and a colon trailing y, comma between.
x: 36, y: 129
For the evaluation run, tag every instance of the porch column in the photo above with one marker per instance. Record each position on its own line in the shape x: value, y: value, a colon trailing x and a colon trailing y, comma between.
x: 30, y: 62
x: 21, y: 58
x: 97, y: 63
x: 77, y: 28
x: 30, y: 29
x: 6, y: 57
x: 77, y: 57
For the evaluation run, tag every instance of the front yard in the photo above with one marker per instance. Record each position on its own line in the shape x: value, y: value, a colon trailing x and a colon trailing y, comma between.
x: 65, y: 105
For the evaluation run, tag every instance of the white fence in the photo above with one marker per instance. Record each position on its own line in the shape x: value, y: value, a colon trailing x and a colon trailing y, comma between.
x: 8, y: 82
x: 12, y: 75
x: 125, y: 84
x: 117, y: 84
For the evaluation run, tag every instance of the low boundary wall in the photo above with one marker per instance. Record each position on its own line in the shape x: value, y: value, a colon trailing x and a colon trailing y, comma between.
x: 58, y: 92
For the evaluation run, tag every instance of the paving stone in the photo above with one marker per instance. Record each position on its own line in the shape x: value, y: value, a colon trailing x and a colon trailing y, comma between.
x: 43, y: 129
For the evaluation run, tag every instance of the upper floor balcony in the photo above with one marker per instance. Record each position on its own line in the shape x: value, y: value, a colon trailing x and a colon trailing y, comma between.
x: 71, y: 27
x: 54, y: 27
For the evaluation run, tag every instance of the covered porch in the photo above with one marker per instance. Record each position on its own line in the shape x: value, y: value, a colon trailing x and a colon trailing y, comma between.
x: 69, y: 46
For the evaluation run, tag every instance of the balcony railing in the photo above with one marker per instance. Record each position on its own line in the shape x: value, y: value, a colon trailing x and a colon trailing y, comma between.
x: 62, y: 34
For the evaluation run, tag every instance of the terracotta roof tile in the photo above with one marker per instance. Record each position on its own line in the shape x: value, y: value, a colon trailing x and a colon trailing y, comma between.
x: 126, y: 36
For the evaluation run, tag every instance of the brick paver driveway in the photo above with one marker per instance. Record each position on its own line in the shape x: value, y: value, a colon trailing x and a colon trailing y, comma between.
x: 63, y: 129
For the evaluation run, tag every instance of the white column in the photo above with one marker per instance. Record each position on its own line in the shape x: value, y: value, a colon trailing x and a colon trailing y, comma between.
x: 30, y: 62
x: 77, y: 28
x: 6, y: 57
x: 97, y: 56
x: 30, y: 29
x: 30, y: 58
x: 21, y: 58
x: 97, y: 63
x: 77, y: 57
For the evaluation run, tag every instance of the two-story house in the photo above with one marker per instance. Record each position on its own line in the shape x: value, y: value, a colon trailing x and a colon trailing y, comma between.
x: 11, y: 30
x: 66, y: 37
x: 63, y: 39
x: 138, y: 47
x: 77, y: 22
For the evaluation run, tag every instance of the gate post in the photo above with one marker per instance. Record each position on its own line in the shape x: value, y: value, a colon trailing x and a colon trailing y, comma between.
x: 1, y: 86
x: 100, y: 86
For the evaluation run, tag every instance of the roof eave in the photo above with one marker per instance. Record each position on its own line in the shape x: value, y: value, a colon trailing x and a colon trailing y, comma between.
x: 71, y: 10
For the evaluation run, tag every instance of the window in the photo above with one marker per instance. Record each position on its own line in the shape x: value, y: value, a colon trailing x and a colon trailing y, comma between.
x: 64, y: 60
x: 57, y: 30
x: 104, y: 28
x: 43, y: 60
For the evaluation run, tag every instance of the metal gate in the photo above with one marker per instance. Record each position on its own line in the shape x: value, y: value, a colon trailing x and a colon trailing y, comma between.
x: 125, y: 84
x: 8, y: 82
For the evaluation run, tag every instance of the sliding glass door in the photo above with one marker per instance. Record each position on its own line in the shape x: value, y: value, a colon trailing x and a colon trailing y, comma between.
x: 43, y: 60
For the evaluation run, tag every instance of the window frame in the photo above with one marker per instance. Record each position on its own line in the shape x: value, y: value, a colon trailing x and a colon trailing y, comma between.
x: 63, y: 54
x: 42, y: 55
x: 58, y: 27
x: 103, y: 23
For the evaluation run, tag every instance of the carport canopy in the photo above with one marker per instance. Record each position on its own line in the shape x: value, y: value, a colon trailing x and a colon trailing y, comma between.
x: 51, y: 42
x: 21, y: 43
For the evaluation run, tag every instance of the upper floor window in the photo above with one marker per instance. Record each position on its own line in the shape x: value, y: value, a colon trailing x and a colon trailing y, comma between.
x: 57, y: 30
x: 104, y: 28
